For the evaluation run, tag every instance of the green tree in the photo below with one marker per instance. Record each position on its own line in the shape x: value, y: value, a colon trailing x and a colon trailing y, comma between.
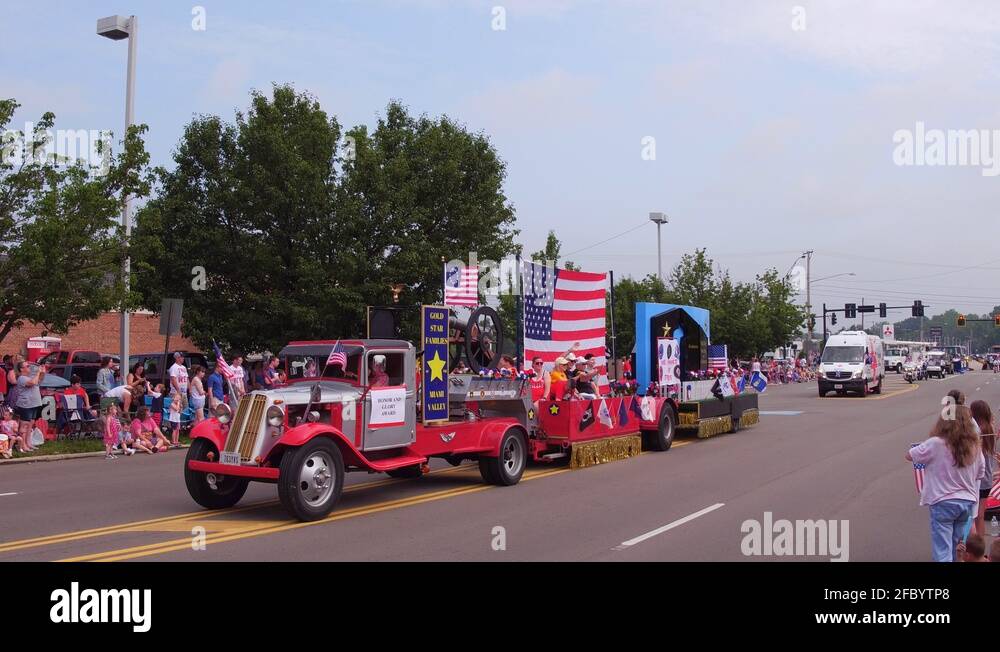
x: 61, y: 245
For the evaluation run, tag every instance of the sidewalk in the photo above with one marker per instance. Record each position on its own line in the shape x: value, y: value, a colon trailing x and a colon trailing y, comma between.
x: 56, y: 457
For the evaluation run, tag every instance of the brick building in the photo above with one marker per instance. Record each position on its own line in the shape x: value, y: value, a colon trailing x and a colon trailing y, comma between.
x: 102, y: 334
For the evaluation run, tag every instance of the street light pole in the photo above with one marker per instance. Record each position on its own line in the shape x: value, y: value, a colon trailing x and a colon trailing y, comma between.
x: 660, y: 219
x: 809, y: 318
x: 117, y: 28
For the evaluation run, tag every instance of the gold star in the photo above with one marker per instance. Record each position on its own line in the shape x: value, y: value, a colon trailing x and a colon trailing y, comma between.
x: 553, y: 409
x: 436, y: 365
x: 666, y: 330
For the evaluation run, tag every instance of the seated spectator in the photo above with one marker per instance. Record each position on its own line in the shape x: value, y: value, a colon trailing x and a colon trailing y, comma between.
x: 583, y: 378
x: 76, y: 388
x: 144, y: 434
x: 975, y: 548
x: 9, y: 427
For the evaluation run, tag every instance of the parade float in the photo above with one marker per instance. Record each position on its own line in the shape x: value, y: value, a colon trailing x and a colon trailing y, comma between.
x: 385, y: 405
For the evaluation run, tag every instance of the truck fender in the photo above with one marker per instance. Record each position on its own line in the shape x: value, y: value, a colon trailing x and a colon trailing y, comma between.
x: 295, y: 437
x: 211, y: 430
x: 493, y: 433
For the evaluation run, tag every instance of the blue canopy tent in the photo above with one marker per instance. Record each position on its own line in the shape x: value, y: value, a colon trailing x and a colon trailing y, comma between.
x: 688, y: 324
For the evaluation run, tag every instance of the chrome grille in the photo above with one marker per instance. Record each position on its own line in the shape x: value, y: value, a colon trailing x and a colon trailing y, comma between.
x: 246, y: 425
x: 838, y: 375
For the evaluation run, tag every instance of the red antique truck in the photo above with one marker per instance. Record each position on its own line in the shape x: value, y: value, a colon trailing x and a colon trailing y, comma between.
x: 363, y: 416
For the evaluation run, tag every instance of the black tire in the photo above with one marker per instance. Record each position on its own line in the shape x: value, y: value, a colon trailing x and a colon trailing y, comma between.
x: 822, y: 392
x: 664, y: 435
x: 313, y: 498
x: 229, y: 489
x: 507, y: 468
x: 406, y: 473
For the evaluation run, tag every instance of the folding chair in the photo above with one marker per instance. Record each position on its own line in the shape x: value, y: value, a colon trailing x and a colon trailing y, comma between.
x: 72, y: 417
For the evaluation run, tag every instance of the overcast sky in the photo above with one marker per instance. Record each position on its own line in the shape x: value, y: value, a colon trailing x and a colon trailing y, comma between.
x: 773, y: 121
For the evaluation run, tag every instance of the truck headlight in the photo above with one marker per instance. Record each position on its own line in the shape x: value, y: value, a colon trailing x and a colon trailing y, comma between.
x: 223, y: 413
x: 275, y: 416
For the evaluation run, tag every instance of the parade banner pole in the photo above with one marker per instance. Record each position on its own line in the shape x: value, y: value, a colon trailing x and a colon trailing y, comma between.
x: 614, y: 353
x: 519, y: 311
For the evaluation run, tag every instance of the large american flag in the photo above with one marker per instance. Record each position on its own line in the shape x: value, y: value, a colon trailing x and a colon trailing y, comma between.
x: 337, y: 357
x: 718, y: 356
x: 561, y: 307
x: 461, y: 285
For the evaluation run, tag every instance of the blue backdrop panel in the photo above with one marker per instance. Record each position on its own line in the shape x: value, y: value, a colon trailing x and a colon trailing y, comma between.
x: 650, y: 315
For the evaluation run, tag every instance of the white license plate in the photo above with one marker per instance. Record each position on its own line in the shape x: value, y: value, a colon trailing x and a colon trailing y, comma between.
x: 232, y: 458
x: 835, y: 387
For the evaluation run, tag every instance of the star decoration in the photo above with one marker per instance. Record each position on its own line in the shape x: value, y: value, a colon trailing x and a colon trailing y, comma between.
x: 553, y: 409
x: 436, y: 365
x: 531, y: 414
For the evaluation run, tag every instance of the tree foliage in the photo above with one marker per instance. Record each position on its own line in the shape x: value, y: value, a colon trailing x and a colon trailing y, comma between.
x: 61, y: 243
x: 297, y: 234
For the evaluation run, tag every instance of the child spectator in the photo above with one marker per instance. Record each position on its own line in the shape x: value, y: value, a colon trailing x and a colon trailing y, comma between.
x: 954, y: 465
x: 983, y: 417
x: 975, y: 548
x: 175, y: 420
x: 112, y: 428
x: 8, y: 426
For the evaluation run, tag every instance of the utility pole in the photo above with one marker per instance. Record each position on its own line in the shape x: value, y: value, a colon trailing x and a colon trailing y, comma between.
x: 809, y: 318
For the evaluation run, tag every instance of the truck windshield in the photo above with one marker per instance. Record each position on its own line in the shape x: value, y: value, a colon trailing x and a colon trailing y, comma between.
x: 844, y: 354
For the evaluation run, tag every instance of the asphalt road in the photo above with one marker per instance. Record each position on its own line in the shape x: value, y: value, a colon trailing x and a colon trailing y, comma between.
x: 836, y: 458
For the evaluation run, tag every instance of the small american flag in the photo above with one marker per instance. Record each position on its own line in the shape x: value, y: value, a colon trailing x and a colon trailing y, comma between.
x: 461, y: 285
x: 918, y: 476
x: 995, y: 491
x: 337, y: 356
x: 718, y: 356
x: 561, y: 307
x: 220, y: 363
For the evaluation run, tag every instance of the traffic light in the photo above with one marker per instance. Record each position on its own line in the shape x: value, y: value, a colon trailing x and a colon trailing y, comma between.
x: 812, y: 322
x: 882, y: 310
x: 918, y: 309
x: 833, y: 319
x: 961, y: 320
x: 996, y: 320
x: 850, y: 310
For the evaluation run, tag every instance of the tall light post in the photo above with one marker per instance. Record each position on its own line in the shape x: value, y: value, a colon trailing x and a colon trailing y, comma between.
x: 117, y: 28
x: 823, y: 279
x: 660, y: 219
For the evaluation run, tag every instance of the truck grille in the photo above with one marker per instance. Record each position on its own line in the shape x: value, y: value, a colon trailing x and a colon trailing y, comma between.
x: 246, y: 425
x: 838, y: 375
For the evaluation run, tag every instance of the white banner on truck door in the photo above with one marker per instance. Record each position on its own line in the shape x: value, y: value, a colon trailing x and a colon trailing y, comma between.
x: 388, y: 406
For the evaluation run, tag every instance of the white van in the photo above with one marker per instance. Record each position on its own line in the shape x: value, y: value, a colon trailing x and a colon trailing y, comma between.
x: 895, y: 357
x: 853, y: 361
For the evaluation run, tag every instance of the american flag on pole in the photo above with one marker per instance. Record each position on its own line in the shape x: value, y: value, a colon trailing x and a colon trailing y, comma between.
x: 220, y: 363
x: 461, y: 285
x: 337, y: 357
x: 918, y: 473
x: 718, y: 356
x: 562, y: 307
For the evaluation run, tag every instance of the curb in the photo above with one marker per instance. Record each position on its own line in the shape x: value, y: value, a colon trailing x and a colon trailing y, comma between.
x: 59, y: 457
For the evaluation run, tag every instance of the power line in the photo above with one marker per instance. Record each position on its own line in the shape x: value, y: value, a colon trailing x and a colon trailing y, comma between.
x: 597, y: 244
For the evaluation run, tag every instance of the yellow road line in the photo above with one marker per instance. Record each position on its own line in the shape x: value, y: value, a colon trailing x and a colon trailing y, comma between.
x: 166, y: 520
x: 185, y: 543
x: 911, y: 388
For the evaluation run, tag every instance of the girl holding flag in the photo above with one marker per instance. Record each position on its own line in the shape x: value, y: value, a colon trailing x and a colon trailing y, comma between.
x: 953, y: 467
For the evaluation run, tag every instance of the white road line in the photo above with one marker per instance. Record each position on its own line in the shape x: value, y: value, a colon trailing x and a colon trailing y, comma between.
x: 668, y: 526
x: 12, y: 493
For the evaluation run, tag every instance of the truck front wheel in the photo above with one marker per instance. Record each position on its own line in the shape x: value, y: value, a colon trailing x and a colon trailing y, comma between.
x: 507, y: 468
x: 311, y: 479
x: 208, y: 489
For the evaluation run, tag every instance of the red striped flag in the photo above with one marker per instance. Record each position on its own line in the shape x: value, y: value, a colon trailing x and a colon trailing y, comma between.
x: 562, y: 307
x: 461, y: 285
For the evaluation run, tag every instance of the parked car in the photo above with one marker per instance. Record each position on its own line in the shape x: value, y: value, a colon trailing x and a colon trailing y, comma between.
x: 153, y: 364
x: 75, y: 356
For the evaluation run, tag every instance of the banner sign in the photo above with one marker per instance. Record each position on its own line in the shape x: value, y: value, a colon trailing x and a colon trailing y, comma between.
x: 936, y: 333
x: 388, y: 406
x: 888, y: 332
x: 668, y: 355
x: 434, y: 367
